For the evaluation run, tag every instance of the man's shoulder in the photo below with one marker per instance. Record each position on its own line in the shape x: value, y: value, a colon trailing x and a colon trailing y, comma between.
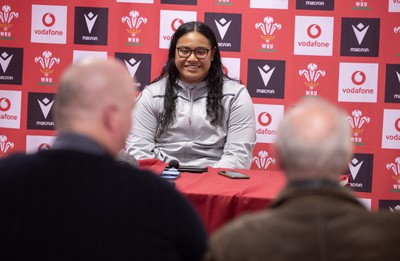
x: 17, y: 162
x: 247, y: 225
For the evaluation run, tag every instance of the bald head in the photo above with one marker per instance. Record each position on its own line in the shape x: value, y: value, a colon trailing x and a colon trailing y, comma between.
x: 93, y: 97
x: 313, y: 140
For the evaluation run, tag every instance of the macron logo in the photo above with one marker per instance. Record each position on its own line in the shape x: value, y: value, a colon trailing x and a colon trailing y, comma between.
x: 132, y: 66
x: 45, y: 106
x: 360, y: 30
x: 90, y: 19
x: 398, y: 76
x: 5, y: 61
x: 266, y: 73
x: 222, y: 26
x: 354, y: 167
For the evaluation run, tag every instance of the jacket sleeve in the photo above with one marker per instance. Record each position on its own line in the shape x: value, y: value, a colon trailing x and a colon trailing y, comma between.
x: 241, y: 135
x: 141, y: 139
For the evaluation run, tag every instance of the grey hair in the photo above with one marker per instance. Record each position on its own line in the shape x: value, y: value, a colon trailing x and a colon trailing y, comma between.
x: 328, y: 154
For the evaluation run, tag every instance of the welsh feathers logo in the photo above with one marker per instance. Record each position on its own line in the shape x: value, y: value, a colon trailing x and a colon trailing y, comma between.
x: 263, y: 161
x: 268, y: 28
x: 5, y: 145
x: 395, y: 172
x: 312, y: 74
x: 357, y: 121
x: 6, y: 17
x: 46, y: 62
x: 134, y: 22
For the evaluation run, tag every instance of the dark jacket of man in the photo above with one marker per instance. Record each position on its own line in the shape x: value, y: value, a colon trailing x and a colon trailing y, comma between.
x: 312, y: 220
x: 71, y: 205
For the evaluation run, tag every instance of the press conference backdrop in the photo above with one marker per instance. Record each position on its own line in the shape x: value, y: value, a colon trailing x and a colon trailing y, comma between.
x: 347, y: 51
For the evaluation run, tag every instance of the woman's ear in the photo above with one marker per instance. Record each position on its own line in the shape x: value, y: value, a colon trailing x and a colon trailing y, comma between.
x: 213, y: 50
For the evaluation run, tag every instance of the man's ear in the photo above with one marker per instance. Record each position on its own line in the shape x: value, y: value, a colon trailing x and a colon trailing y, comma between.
x: 109, y: 116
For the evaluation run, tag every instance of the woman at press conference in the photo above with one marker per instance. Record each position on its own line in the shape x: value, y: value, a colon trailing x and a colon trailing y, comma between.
x: 193, y: 112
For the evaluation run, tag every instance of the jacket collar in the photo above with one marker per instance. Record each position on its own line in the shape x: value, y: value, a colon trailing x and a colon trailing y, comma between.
x: 191, y: 86
x: 319, y: 187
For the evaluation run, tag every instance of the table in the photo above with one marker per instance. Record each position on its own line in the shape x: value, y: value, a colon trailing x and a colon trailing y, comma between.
x: 219, y: 199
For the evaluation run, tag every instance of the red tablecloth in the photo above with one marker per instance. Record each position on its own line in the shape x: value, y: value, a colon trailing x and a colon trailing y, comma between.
x: 218, y: 199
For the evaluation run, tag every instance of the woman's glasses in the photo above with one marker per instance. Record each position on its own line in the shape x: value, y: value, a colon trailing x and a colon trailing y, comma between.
x: 200, y: 53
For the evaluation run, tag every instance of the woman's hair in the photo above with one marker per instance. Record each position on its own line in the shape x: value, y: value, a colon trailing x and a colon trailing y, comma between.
x: 215, y: 78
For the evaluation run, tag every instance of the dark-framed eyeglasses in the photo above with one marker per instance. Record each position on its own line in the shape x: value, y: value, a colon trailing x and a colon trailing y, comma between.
x: 200, y: 53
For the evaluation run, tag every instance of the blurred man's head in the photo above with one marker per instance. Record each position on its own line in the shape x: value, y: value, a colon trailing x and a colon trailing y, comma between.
x: 314, y: 140
x: 95, y: 98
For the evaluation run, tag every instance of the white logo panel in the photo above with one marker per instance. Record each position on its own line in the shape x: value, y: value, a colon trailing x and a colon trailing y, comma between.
x: 366, y: 202
x: 49, y: 24
x: 269, y: 4
x: 313, y: 35
x: 170, y: 21
x: 10, y: 109
x: 358, y: 82
x: 77, y: 55
x: 394, y: 5
x: 38, y: 143
x: 231, y: 67
x: 391, y: 129
x: 268, y: 118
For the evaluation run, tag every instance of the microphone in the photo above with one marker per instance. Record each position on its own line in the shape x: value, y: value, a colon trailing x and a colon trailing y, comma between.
x: 171, y: 172
x: 173, y: 164
x: 193, y: 169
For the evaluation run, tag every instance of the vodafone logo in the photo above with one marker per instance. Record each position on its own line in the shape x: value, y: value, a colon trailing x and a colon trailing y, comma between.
x: 48, y: 19
x: 390, y: 135
x: 358, y: 77
x: 44, y: 146
x: 176, y: 23
x: 314, y: 31
x: 5, y: 104
x: 397, y: 124
x: 264, y: 119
